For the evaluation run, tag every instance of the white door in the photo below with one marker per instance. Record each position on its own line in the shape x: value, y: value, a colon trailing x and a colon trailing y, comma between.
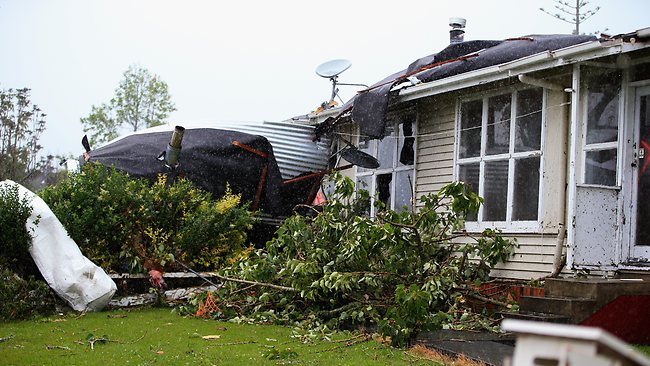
x: 640, y: 180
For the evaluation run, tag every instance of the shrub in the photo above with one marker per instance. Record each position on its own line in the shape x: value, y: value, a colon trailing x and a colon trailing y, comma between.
x: 399, y: 272
x: 15, y: 239
x: 23, y: 298
x: 118, y: 221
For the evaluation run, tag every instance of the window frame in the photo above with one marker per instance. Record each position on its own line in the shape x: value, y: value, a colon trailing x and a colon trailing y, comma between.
x: 615, y: 145
x: 511, y: 157
x: 396, y: 168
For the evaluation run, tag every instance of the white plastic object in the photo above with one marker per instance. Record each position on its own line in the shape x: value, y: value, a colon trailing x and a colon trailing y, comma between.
x: 77, y: 280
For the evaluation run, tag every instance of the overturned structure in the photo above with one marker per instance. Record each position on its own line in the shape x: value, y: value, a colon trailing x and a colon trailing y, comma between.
x: 274, y: 178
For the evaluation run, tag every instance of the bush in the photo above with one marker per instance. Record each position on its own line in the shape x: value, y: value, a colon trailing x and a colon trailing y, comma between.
x: 23, y: 298
x: 118, y: 222
x: 399, y: 272
x: 15, y: 239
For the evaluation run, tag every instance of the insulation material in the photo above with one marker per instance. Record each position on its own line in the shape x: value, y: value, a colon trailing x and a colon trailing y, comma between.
x: 77, y: 280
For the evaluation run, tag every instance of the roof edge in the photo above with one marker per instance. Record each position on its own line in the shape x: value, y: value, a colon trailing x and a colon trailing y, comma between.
x: 540, y: 61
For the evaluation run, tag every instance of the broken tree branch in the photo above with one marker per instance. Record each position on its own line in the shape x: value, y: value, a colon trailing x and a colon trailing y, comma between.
x: 261, y: 284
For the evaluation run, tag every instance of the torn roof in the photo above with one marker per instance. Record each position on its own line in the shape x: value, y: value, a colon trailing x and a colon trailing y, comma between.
x: 368, y: 109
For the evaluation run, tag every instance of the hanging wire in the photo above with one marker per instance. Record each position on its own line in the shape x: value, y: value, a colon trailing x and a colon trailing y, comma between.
x: 433, y: 134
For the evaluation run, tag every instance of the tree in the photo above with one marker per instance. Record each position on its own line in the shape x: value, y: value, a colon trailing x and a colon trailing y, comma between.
x: 22, y: 124
x: 141, y: 100
x: 578, y: 14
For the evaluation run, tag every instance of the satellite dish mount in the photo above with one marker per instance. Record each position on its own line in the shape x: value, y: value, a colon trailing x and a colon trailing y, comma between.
x: 331, y: 70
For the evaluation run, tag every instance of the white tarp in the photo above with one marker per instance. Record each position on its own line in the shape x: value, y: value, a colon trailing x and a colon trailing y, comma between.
x: 77, y: 280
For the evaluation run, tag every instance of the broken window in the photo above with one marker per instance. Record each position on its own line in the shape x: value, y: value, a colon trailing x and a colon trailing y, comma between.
x: 499, y: 154
x: 392, y: 183
x: 600, y: 142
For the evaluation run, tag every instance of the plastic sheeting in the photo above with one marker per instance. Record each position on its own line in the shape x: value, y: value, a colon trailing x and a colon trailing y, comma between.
x: 210, y: 160
x: 370, y: 106
x: 77, y: 280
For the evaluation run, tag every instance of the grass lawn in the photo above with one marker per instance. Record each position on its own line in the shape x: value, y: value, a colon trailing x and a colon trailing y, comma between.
x: 156, y: 336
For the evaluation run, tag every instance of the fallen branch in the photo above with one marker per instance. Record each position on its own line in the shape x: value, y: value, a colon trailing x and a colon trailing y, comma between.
x: 487, y: 299
x: 57, y: 347
x: 232, y: 343
x: 261, y: 284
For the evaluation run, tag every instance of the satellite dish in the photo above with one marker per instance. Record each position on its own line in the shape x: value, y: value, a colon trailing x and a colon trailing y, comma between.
x: 333, y: 68
x: 359, y: 158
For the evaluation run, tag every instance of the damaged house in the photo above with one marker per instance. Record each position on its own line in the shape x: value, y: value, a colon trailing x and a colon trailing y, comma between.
x: 552, y: 130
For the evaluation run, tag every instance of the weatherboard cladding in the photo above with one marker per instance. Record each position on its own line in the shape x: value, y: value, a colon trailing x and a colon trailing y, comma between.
x: 437, y: 120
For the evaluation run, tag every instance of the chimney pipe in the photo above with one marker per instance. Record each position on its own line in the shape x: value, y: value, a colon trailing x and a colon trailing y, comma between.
x: 457, y: 32
x: 174, y: 147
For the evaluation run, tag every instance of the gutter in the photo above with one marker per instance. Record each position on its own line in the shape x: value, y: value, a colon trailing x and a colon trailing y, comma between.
x: 540, y: 61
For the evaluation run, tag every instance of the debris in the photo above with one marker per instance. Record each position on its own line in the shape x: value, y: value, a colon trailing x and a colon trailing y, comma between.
x: 211, y: 337
x: 6, y: 338
x: 58, y: 347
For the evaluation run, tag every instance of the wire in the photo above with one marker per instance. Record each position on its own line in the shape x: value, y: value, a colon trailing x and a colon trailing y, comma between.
x: 433, y: 134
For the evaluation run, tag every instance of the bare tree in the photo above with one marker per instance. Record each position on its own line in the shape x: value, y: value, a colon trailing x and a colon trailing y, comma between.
x: 572, y: 14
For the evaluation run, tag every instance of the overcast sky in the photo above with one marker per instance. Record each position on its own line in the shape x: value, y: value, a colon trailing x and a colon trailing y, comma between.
x: 243, y: 60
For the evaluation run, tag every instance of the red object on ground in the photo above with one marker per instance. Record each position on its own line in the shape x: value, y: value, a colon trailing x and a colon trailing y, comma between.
x: 156, y: 279
x: 627, y: 317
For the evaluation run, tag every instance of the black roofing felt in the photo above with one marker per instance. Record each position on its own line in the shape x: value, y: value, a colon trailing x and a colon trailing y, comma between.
x: 369, y: 107
x: 210, y: 160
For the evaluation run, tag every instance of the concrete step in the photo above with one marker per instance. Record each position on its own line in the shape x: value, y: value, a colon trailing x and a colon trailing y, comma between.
x: 576, y: 309
x: 537, y: 317
x: 603, y: 290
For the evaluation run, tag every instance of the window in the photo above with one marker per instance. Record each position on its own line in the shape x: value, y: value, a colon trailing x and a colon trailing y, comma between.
x: 600, y: 137
x: 499, y: 155
x: 392, y: 183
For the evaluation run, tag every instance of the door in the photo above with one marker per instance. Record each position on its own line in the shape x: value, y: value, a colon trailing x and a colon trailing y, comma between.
x: 640, y: 180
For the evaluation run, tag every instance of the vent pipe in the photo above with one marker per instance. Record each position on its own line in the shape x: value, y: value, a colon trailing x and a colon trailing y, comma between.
x: 457, y: 32
x: 174, y: 147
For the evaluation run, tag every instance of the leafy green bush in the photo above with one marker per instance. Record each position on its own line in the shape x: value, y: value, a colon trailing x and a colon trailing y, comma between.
x: 23, y: 298
x: 119, y: 222
x: 399, y: 272
x: 15, y: 239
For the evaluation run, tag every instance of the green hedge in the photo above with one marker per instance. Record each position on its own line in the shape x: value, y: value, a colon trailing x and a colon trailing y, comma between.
x: 118, y: 221
x: 15, y: 239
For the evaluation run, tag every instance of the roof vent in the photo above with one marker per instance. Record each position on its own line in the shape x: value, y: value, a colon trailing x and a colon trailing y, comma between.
x: 457, y: 32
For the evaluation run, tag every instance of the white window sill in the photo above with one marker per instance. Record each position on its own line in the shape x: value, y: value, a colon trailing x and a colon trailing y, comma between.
x: 526, y: 227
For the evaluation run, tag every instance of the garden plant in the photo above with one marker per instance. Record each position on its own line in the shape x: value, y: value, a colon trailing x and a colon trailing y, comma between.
x: 397, y: 273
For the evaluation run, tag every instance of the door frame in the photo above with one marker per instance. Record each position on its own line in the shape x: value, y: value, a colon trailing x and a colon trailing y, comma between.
x: 632, y: 254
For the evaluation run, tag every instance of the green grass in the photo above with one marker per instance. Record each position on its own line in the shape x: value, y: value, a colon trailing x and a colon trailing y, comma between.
x: 156, y: 336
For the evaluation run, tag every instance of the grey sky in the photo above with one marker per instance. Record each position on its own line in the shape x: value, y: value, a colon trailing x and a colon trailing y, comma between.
x: 243, y: 60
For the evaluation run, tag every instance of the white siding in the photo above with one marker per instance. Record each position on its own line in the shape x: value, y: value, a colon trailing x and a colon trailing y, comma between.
x: 435, y: 160
x: 435, y: 168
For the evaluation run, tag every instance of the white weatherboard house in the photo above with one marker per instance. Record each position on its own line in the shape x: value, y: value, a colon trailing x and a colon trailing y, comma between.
x: 552, y: 130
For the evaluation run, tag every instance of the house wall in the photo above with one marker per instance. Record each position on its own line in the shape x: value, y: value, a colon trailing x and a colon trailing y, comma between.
x: 435, y: 167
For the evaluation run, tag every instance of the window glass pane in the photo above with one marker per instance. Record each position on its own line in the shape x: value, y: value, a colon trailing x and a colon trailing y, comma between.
x: 405, y: 143
x: 525, y: 200
x: 600, y: 167
x: 386, y: 149
x: 367, y: 146
x: 498, y: 128
x: 403, y: 190
x: 470, y: 129
x: 528, y: 126
x: 495, y: 190
x: 383, y: 187
x: 469, y: 174
x: 603, y: 90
